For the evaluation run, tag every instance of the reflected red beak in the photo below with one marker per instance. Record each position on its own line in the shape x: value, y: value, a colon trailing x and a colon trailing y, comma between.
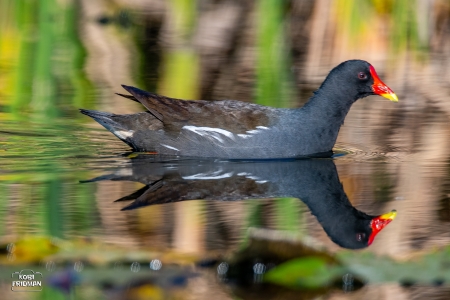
x: 380, y: 88
x: 378, y: 223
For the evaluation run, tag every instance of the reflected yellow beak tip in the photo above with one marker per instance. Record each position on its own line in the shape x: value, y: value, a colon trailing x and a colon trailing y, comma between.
x: 393, y: 97
x: 390, y: 215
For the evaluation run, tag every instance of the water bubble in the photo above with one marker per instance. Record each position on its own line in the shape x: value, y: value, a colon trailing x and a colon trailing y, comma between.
x: 348, y: 279
x: 135, y: 267
x: 155, y: 264
x: 347, y: 282
x: 259, y: 268
x: 222, y: 268
x: 78, y: 266
x: 11, y: 247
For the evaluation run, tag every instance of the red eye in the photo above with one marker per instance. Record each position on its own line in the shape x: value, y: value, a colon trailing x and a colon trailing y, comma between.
x: 362, y: 75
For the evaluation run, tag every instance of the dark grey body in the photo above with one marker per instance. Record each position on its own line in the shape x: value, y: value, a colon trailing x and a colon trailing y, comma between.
x: 238, y: 130
x: 283, y: 139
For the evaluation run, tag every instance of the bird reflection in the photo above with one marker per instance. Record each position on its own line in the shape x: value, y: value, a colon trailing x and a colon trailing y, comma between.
x: 313, y: 181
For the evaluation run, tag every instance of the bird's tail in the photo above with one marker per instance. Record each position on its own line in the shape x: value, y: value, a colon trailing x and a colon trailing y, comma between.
x: 103, y: 118
x: 139, y: 130
x: 113, y: 123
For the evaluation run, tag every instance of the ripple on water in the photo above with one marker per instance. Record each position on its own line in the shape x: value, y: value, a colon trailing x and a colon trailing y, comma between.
x: 65, y: 145
x: 360, y: 153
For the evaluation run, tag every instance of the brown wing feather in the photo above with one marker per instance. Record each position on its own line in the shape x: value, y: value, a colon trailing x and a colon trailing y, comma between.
x: 176, y: 189
x: 234, y: 116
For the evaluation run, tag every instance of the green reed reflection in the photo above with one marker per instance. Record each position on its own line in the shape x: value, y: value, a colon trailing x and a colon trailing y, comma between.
x: 45, y: 79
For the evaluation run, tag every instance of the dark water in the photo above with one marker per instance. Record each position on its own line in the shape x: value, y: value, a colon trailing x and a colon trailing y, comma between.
x: 61, y: 174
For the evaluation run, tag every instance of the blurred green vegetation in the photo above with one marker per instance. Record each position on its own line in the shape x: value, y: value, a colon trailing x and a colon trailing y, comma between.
x: 43, y: 58
x: 180, y: 74
x: 273, y: 84
x: 405, y: 23
x: 315, y: 272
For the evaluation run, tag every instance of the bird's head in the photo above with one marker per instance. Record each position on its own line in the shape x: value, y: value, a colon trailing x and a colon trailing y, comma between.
x: 360, y: 233
x: 363, y: 78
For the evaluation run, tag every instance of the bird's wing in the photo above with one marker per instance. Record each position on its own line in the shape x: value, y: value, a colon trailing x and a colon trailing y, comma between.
x: 234, y: 116
x: 170, y: 190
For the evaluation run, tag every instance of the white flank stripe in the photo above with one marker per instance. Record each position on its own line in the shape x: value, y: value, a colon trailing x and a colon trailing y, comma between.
x: 262, y: 127
x: 210, y: 131
x: 204, y: 176
x: 253, y: 131
x: 214, y: 136
x: 170, y: 147
x: 250, y: 176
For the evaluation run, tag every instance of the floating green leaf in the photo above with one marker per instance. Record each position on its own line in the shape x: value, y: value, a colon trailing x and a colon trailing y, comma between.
x: 305, y: 272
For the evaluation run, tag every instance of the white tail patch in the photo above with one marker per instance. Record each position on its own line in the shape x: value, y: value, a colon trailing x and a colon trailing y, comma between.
x: 123, y: 134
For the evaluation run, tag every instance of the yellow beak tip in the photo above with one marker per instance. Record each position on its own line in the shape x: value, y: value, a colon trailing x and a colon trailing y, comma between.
x: 393, y: 97
x: 390, y: 215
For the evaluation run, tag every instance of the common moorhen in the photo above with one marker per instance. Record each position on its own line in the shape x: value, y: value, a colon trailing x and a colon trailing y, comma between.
x: 313, y: 181
x: 239, y: 130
